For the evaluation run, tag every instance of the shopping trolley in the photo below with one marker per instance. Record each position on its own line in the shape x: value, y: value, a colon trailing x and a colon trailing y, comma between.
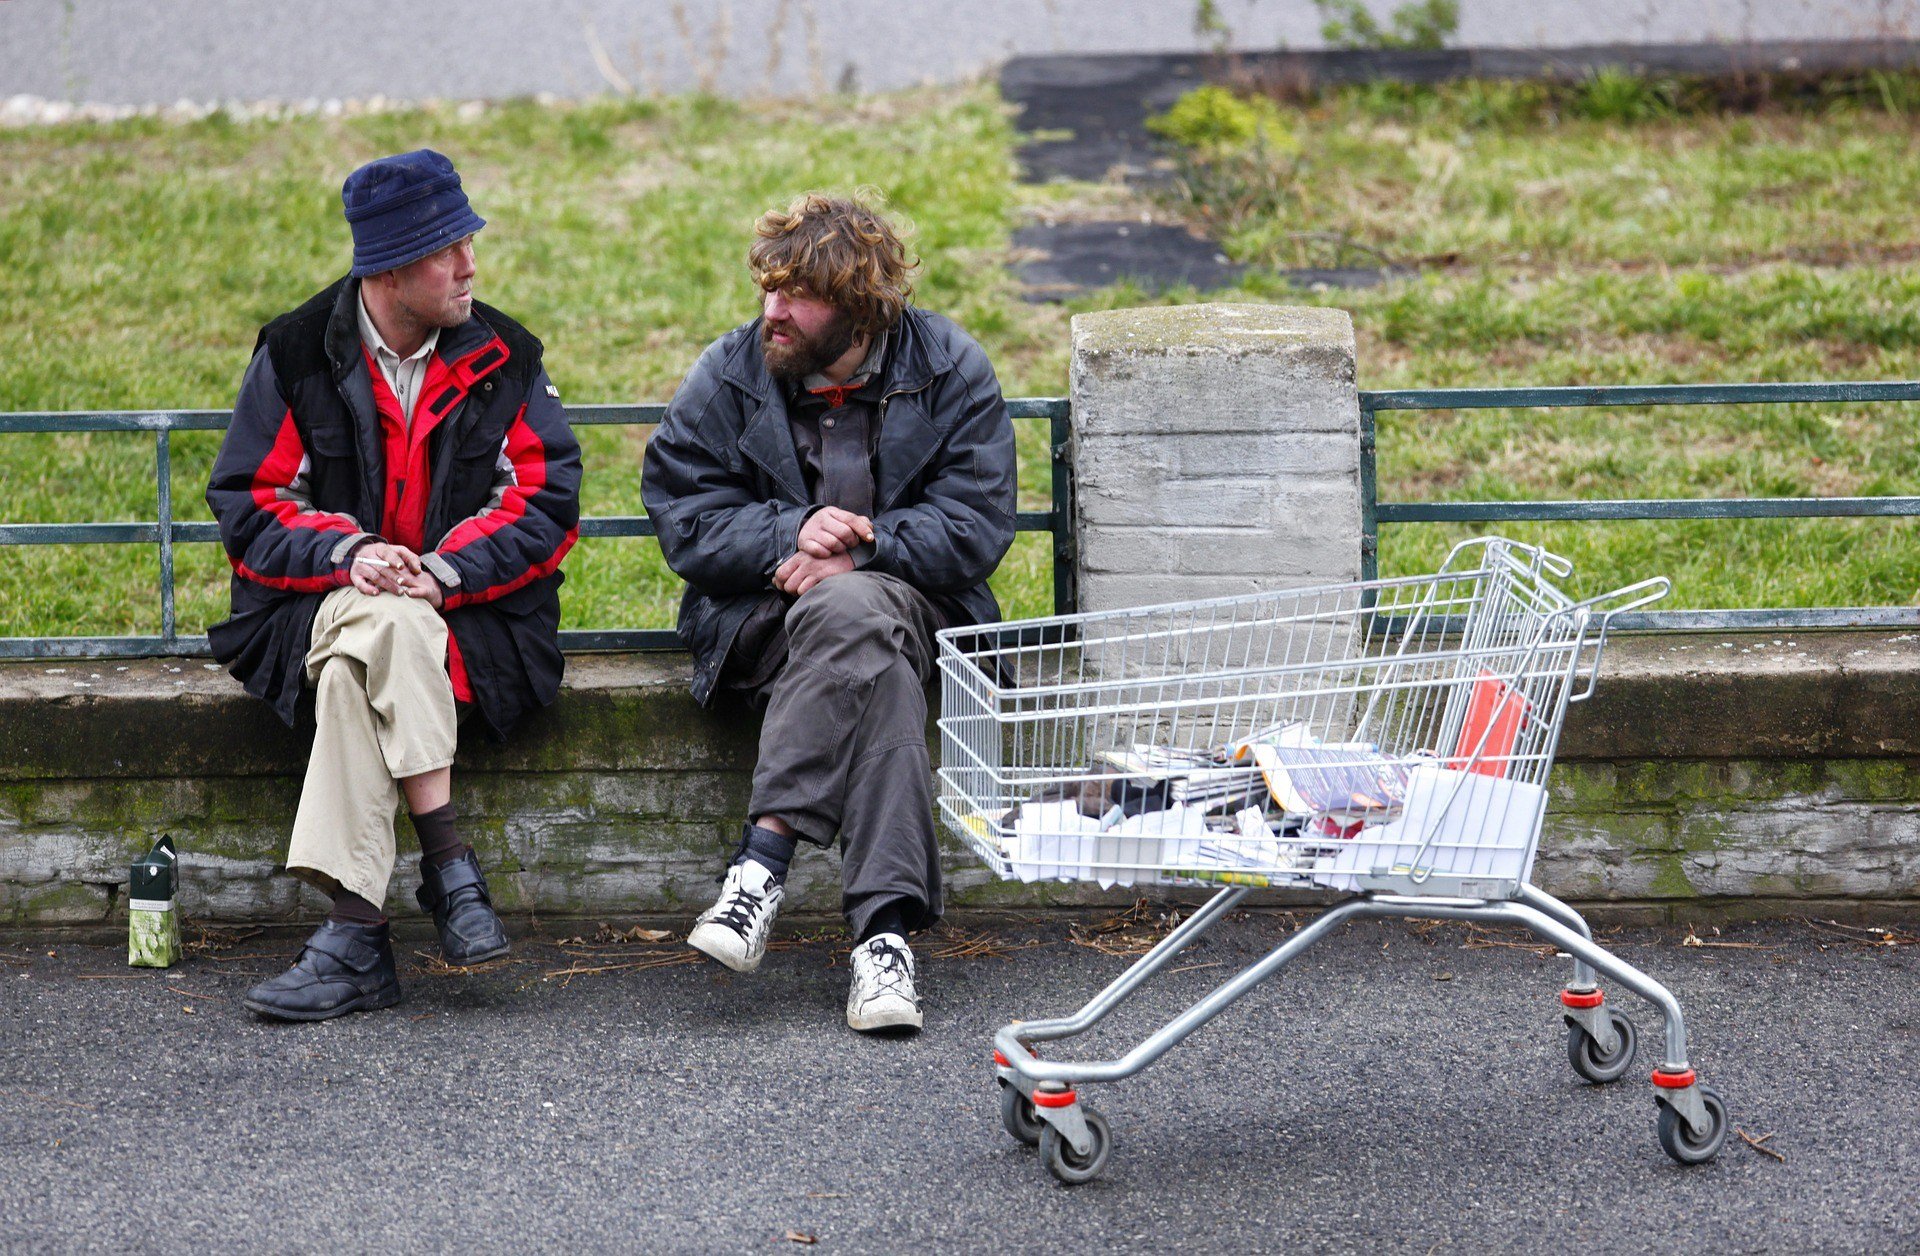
x: 1387, y: 738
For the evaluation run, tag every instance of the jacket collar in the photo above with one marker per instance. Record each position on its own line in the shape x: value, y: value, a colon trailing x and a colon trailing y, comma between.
x: 456, y: 345
x: 470, y: 351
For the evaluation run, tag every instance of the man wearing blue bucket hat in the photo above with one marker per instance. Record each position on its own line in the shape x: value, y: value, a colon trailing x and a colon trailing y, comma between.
x: 395, y: 494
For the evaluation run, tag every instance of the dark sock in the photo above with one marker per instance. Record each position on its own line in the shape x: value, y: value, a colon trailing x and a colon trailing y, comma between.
x: 350, y: 909
x: 439, y: 844
x: 772, y: 851
x: 888, y: 919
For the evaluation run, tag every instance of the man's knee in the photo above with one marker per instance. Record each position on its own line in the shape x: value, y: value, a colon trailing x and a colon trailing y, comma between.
x: 845, y: 605
x: 339, y: 679
x: 412, y: 612
x: 395, y: 620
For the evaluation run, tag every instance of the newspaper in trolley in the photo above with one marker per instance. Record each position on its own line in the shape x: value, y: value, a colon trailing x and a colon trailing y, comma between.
x: 1395, y: 735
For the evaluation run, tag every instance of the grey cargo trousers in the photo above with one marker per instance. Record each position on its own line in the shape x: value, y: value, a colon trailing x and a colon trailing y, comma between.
x: 843, y: 747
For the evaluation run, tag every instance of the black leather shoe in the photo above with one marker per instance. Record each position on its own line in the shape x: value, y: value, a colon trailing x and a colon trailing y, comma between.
x: 344, y: 968
x: 456, y: 894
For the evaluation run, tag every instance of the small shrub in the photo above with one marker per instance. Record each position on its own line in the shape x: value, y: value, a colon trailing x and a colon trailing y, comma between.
x: 1393, y: 100
x: 1483, y: 104
x: 1616, y: 96
x: 1423, y: 24
x: 1236, y: 155
x: 1213, y: 119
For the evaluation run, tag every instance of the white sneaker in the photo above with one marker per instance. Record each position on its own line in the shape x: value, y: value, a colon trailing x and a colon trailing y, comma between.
x: 883, y: 996
x: 734, y: 930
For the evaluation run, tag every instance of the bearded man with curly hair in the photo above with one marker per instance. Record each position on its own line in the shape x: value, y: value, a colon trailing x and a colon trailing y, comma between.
x: 835, y: 482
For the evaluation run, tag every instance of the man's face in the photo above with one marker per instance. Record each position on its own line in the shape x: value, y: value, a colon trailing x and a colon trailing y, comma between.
x: 800, y: 334
x: 438, y: 289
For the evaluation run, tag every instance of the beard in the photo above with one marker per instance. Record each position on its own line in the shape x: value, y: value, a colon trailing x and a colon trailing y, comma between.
x: 436, y: 314
x: 805, y: 355
x: 443, y: 314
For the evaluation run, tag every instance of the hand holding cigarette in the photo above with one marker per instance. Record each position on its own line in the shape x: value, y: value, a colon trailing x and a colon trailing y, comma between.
x: 382, y: 568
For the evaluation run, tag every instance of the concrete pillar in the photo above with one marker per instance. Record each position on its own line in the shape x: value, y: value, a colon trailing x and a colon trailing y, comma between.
x: 1216, y: 450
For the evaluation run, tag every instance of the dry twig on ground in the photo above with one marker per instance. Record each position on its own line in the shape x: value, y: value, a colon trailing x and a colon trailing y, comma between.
x: 1128, y: 934
x: 1694, y: 939
x: 1760, y: 1144
x: 607, y: 935
x: 952, y: 942
x: 642, y: 960
x: 1862, y: 935
x: 65, y: 1103
x: 432, y: 965
x: 1480, y: 938
x: 214, y: 941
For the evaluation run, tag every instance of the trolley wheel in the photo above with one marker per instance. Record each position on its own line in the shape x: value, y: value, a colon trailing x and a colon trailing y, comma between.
x: 1584, y: 1053
x: 1068, y: 1165
x: 1018, y: 1116
x: 1677, y: 1138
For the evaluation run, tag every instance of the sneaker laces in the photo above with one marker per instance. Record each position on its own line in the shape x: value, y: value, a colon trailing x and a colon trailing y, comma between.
x: 740, y: 908
x: 890, y: 967
x: 743, y: 909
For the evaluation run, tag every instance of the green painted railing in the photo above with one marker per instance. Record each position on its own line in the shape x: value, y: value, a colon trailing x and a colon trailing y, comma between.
x: 166, y: 532
x: 1375, y: 512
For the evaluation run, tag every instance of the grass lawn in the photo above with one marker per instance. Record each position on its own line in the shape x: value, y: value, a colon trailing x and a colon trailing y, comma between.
x: 140, y: 259
x: 1777, y: 246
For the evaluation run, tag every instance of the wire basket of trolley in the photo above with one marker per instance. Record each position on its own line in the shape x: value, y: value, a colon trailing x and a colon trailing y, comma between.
x: 1386, y: 738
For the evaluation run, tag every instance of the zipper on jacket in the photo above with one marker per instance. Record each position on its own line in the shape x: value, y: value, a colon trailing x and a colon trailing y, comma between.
x: 881, y: 422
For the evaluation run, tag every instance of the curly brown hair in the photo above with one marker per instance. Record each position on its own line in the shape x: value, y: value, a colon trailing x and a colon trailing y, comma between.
x: 839, y: 250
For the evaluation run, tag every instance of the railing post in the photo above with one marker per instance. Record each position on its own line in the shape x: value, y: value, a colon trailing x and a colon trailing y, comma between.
x: 1216, y: 451
x: 1059, y: 441
x: 1369, y: 496
x: 163, y: 464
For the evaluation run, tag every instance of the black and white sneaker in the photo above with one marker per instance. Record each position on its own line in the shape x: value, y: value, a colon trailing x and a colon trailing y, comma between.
x: 734, y: 930
x: 883, y: 996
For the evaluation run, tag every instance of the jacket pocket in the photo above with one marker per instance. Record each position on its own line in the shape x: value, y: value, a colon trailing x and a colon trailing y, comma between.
x: 333, y: 470
x: 470, y: 475
x: 328, y: 440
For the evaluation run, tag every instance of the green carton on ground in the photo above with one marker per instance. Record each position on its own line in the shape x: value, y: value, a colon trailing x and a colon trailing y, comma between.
x: 153, y: 926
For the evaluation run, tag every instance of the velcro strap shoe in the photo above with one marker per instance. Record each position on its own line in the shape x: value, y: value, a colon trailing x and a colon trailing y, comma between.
x: 456, y: 894
x: 343, y: 968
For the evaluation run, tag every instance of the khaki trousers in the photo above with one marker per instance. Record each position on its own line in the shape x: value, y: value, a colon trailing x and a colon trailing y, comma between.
x: 385, y: 711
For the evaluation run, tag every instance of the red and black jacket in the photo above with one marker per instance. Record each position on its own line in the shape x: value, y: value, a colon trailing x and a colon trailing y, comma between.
x: 486, y: 489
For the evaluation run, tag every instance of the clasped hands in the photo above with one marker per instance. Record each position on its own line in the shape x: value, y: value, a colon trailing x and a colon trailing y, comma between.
x: 382, y: 568
x: 825, y: 548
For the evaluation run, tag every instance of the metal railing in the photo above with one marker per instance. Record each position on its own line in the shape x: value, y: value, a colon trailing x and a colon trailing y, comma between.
x: 166, y: 532
x: 1375, y: 512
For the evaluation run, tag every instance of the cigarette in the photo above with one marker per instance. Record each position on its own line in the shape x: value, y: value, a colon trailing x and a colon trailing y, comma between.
x: 371, y: 561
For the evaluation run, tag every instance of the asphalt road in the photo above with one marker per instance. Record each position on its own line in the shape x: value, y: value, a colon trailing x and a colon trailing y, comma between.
x: 146, y: 52
x: 1396, y: 1091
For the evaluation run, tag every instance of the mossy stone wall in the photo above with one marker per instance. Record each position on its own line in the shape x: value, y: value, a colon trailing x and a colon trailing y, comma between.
x: 1708, y: 776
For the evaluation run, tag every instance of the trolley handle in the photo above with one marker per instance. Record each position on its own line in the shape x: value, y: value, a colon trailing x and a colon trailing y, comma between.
x: 1542, y: 559
x: 1644, y: 593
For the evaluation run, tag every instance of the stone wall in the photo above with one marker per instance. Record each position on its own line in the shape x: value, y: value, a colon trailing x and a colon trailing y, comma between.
x: 1708, y: 776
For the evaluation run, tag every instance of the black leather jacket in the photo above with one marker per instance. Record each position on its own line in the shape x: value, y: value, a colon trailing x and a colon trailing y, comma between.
x: 723, y: 486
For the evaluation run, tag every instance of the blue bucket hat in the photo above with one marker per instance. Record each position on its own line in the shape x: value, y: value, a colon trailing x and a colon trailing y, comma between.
x: 403, y: 208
